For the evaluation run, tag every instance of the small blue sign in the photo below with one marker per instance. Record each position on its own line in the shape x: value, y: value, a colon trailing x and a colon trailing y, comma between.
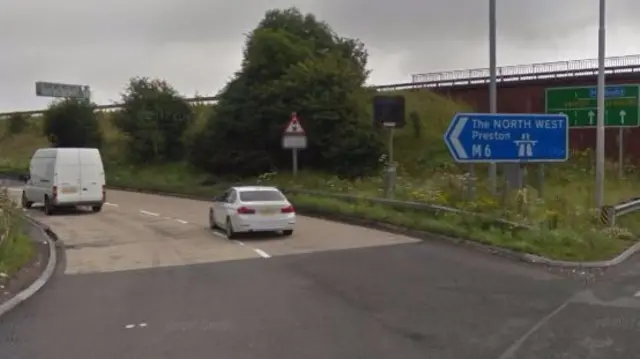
x: 609, y: 91
x: 515, y: 138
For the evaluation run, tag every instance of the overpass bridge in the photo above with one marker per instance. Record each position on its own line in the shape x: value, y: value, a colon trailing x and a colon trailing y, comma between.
x: 468, y: 85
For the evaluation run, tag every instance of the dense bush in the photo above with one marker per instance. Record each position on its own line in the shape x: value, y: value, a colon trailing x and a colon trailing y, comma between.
x: 292, y: 63
x: 155, y: 118
x: 72, y: 123
x: 16, y: 123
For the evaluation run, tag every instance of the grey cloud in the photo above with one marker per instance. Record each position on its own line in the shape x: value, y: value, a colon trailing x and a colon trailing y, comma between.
x: 197, y: 44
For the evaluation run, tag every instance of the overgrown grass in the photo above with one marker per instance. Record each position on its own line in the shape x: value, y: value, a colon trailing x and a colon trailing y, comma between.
x: 568, y: 226
x: 16, y: 248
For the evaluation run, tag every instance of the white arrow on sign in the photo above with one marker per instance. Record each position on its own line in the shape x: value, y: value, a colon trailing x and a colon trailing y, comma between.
x: 454, y: 137
x: 591, y: 114
x: 622, y: 116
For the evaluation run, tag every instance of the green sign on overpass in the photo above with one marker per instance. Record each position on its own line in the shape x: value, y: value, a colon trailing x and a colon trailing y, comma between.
x: 622, y: 104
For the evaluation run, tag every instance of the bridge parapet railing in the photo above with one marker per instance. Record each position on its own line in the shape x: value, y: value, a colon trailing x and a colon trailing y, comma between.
x: 530, y: 69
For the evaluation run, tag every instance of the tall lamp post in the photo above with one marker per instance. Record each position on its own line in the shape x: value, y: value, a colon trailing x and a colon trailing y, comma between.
x: 493, y: 102
x: 599, y: 183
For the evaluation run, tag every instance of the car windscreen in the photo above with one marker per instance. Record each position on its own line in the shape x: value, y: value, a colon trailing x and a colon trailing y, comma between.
x: 261, y: 196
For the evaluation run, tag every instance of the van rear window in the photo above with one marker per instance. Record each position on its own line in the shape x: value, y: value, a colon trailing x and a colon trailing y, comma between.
x: 261, y: 196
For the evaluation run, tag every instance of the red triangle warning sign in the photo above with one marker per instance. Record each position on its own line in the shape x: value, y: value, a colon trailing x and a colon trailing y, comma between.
x: 294, y: 127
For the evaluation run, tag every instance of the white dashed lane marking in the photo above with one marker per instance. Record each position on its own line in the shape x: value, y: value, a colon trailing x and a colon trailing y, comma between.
x: 258, y: 251
x: 131, y: 326
x: 261, y: 253
x: 149, y: 213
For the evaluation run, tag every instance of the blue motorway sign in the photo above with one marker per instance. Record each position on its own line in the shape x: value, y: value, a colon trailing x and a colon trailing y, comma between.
x: 486, y: 137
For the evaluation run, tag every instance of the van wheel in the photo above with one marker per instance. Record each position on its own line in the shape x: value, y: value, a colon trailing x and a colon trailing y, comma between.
x: 25, y: 202
x: 287, y: 232
x: 96, y: 208
x: 231, y: 234
x: 48, y: 208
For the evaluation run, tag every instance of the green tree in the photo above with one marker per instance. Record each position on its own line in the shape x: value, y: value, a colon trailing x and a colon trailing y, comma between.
x: 293, y: 63
x: 72, y: 123
x: 16, y: 123
x: 155, y: 118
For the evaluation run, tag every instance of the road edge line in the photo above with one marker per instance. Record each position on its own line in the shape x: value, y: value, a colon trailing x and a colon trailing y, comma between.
x: 44, y: 277
x: 422, y: 235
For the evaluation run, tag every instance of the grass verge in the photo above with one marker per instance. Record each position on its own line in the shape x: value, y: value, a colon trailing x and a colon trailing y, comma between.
x: 16, y: 248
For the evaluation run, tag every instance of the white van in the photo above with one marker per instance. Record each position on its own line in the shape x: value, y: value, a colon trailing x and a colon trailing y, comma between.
x: 65, y: 177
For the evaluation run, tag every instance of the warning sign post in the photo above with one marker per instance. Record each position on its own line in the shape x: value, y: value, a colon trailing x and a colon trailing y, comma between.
x: 294, y: 138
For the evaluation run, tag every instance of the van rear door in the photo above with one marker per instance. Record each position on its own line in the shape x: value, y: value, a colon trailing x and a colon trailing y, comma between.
x: 67, y: 175
x: 91, y: 175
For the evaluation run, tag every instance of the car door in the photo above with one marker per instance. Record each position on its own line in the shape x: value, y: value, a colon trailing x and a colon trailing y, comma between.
x: 219, y: 214
x: 230, y: 204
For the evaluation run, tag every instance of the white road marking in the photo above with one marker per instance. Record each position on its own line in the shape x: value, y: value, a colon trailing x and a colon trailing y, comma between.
x: 149, y: 213
x: 261, y: 253
x: 218, y: 234
x: 637, y: 294
x: 131, y: 326
x: 182, y: 221
x: 111, y: 204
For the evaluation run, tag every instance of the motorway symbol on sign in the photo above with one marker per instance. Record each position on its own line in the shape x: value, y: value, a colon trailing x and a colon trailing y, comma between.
x: 294, y: 136
x: 484, y: 137
x: 622, y: 104
x: 51, y: 89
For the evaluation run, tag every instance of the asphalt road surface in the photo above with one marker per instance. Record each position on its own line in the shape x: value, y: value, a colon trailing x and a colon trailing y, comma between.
x: 145, y: 279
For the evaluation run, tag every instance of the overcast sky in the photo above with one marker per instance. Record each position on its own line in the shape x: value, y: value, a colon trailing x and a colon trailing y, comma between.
x: 196, y: 45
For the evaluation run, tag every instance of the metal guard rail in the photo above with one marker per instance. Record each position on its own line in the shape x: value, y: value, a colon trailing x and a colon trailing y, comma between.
x: 420, y: 206
x: 609, y: 214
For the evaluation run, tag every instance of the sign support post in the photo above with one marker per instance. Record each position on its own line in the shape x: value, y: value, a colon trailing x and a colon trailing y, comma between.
x: 600, y: 120
x: 493, y: 90
x: 620, y: 153
x: 390, y: 177
x: 294, y: 152
x: 294, y: 138
x: 388, y: 111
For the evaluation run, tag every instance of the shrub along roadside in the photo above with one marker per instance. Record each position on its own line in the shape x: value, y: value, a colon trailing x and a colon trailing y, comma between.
x: 557, y: 244
x: 16, y: 248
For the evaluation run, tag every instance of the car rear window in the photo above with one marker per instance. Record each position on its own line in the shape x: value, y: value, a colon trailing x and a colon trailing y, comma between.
x: 260, y: 196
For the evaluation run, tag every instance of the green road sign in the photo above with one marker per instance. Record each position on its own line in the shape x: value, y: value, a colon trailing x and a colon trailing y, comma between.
x: 622, y: 104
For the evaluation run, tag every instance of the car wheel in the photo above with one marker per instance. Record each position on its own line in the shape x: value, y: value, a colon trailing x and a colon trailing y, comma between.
x: 229, y: 229
x: 212, y: 223
x: 48, y: 208
x: 25, y: 202
x: 97, y: 208
x: 287, y: 232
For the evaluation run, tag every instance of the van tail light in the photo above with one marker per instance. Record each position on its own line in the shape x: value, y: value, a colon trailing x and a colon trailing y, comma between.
x: 288, y: 209
x: 54, y: 192
x: 246, y: 210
